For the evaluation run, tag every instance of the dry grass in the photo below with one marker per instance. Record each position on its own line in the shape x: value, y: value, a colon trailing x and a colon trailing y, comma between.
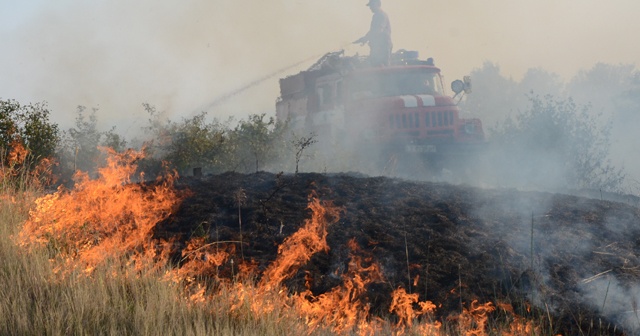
x: 34, y: 300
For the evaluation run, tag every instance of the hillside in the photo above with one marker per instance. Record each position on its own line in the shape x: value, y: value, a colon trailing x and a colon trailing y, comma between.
x: 450, y: 244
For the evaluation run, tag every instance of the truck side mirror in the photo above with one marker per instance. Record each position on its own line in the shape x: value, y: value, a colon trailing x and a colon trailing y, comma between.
x: 457, y: 86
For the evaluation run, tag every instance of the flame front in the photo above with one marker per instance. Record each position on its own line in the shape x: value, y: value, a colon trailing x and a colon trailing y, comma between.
x: 108, y: 217
x: 343, y: 308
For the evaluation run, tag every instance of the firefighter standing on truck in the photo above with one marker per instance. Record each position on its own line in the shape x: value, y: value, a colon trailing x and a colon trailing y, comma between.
x: 379, y: 36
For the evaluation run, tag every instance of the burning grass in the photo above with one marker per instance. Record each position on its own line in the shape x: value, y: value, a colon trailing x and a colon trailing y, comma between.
x: 107, y: 217
x: 88, y: 263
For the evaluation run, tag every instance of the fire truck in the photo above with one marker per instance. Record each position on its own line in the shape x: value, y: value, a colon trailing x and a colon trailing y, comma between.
x: 398, y: 111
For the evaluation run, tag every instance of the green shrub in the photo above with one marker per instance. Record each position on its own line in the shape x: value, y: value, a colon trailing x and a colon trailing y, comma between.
x: 27, y: 126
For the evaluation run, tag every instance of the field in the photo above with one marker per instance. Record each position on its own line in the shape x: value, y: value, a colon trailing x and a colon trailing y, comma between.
x: 263, y: 253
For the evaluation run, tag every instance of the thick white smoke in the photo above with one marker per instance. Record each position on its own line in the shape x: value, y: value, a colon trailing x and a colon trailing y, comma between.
x: 181, y: 55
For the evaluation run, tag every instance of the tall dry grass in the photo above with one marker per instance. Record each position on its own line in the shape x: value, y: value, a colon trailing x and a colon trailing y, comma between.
x: 35, y: 300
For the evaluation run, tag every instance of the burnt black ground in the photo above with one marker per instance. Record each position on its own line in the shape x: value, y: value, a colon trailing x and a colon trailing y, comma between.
x: 464, y: 243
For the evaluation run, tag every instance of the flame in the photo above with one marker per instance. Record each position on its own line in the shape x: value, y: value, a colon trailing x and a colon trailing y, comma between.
x: 344, y: 308
x: 473, y: 320
x: 297, y: 249
x: 200, y: 259
x: 17, y: 155
x: 294, y: 252
x: 518, y: 325
x: 403, y: 305
x: 15, y: 172
x: 108, y: 217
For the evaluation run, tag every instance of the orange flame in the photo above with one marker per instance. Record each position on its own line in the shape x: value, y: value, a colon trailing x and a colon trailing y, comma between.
x: 403, y: 305
x: 200, y: 259
x: 343, y: 308
x: 297, y: 249
x: 14, y: 170
x: 108, y: 217
x: 17, y: 155
x: 518, y: 325
x: 473, y: 320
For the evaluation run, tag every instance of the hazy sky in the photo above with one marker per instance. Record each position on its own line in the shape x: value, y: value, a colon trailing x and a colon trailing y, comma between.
x: 181, y: 55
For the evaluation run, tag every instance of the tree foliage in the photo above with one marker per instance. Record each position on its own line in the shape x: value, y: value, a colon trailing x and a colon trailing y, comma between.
x: 28, y: 126
x: 556, y: 143
x: 495, y: 97
x: 79, y: 148
x: 259, y: 141
x: 195, y: 143
x: 253, y: 144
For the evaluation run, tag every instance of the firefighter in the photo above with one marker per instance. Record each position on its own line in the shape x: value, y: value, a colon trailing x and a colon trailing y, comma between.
x: 379, y: 36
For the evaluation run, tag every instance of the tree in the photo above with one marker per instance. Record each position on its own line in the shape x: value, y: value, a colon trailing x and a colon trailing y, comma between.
x: 195, y: 143
x: 555, y: 143
x: 30, y: 127
x: 493, y: 96
x: 614, y: 92
x: 259, y: 140
x: 600, y: 84
x: 300, y: 144
x: 254, y: 143
x: 541, y: 82
x: 79, y: 148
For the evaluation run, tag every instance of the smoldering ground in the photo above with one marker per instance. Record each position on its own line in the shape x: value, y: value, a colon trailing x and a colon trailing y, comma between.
x: 461, y: 243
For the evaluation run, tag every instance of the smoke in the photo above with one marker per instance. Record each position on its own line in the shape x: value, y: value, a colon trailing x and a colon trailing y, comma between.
x: 182, y: 57
x: 568, y: 255
x: 115, y: 55
x: 178, y: 57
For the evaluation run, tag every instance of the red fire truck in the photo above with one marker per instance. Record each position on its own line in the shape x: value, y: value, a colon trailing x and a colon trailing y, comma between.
x: 398, y: 111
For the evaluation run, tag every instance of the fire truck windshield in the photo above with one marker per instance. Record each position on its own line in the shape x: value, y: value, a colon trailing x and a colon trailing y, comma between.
x: 395, y: 83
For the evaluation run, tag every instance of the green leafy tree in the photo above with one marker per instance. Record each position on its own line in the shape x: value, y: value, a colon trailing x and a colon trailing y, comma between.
x: 253, y: 144
x: 29, y: 126
x: 496, y: 97
x: 192, y: 142
x: 196, y: 143
x: 114, y: 140
x: 260, y: 141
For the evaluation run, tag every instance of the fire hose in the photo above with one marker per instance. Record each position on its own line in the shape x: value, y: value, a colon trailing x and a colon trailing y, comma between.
x: 222, y: 98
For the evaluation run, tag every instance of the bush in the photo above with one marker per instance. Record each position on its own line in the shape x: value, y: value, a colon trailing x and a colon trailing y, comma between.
x: 259, y: 142
x: 195, y: 143
x: 27, y: 126
x: 254, y: 144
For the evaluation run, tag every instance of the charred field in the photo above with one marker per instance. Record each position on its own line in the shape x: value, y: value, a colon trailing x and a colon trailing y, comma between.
x: 571, y: 260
